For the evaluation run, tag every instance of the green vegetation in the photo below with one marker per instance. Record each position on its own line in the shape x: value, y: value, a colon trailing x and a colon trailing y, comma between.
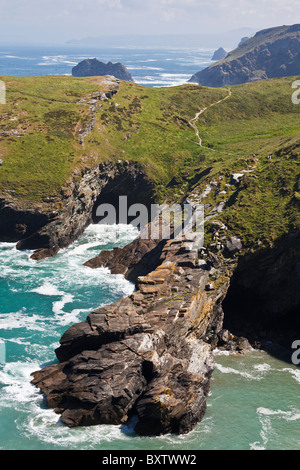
x: 42, y: 123
x: 39, y: 130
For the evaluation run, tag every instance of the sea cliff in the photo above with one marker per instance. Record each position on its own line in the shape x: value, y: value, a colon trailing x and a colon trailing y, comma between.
x: 234, y: 152
x: 270, y: 53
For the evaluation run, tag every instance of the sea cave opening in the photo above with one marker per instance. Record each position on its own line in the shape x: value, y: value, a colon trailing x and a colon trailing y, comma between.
x: 263, y: 301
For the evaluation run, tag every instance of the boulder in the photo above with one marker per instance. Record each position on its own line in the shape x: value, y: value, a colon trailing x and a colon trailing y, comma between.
x: 233, y: 246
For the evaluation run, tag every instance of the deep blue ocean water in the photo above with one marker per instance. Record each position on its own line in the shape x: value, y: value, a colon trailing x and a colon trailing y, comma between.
x: 254, y: 403
x: 149, y: 67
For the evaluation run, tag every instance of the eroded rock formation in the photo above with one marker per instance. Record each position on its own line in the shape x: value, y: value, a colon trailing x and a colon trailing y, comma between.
x: 46, y: 230
x: 147, y: 355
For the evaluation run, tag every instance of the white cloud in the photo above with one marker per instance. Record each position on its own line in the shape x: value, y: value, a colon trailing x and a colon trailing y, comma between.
x: 79, y: 18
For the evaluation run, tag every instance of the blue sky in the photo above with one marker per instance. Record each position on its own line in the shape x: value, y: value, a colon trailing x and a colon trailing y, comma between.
x: 60, y: 20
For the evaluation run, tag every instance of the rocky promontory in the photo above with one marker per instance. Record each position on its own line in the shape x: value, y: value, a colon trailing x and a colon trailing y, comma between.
x: 146, y: 356
x: 96, y: 68
x: 149, y: 356
x: 219, y: 54
x: 270, y: 53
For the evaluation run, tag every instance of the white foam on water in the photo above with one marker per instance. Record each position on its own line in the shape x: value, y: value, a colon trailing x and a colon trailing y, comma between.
x: 257, y: 446
x: 144, y: 67
x: 262, y: 367
x: 21, y: 320
x: 295, y: 373
x: 18, y: 57
x: 16, y: 390
x: 47, y: 289
x: 57, y: 307
x: 20, y: 341
x: 46, y: 427
x: 57, y: 60
x: 221, y: 352
x: 82, y: 249
x: 291, y: 415
x: 230, y: 370
x: 161, y: 83
x: 62, y: 317
x: 266, y: 417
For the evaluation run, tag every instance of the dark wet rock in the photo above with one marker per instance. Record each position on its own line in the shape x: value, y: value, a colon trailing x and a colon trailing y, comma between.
x: 144, y: 355
x: 47, y: 232
x: 137, y: 259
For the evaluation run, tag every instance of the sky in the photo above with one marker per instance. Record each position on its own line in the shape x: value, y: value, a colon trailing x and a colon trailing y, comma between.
x: 40, y: 21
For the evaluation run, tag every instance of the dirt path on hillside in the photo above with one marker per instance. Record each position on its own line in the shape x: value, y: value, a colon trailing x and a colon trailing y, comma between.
x: 193, y: 121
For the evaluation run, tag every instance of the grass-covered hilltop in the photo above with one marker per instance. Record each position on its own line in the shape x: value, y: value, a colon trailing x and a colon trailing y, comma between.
x: 53, y: 129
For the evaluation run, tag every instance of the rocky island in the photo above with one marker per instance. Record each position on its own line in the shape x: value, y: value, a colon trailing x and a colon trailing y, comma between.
x: 270, y: 53
x: 235, y: 151
x: 219, y: 54
x: 95, y: 68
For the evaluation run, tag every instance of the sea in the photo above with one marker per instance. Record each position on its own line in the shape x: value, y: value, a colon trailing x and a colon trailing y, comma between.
x: 149, y: 67
x: 254, y: 401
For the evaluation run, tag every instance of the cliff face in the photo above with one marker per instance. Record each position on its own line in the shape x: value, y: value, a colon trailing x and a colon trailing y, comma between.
x: 48, y: 232
x: 270, y: 53
x: 93, y: 67
x: 150, y: 355
x: 235, y: 153
x: 265, y: 286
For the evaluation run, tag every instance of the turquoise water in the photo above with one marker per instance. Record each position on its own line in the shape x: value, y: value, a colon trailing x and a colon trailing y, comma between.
x: 254, y: 401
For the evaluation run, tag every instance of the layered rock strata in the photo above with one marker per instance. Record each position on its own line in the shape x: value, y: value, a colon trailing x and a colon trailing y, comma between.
x: 147, y: 355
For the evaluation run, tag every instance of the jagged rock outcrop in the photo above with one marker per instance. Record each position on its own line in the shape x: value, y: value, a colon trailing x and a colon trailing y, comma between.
x: 219, y: 54
x: 150, y: 355
x: 270, y: 53
x: 245, y: 38
x: 136, y: 259
x: 147, y: 355
x: 96, y: 68
x: 47, y: 231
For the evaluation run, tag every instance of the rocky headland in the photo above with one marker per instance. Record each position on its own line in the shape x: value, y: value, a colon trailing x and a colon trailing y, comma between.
x: 270, y: 53
x: 96, y: 68
x: 143, y: 356
x: 150, y: 356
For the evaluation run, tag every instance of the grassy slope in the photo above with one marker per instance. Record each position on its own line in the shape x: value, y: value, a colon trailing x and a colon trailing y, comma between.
x: 151, y: 126
x: 43, y: 111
